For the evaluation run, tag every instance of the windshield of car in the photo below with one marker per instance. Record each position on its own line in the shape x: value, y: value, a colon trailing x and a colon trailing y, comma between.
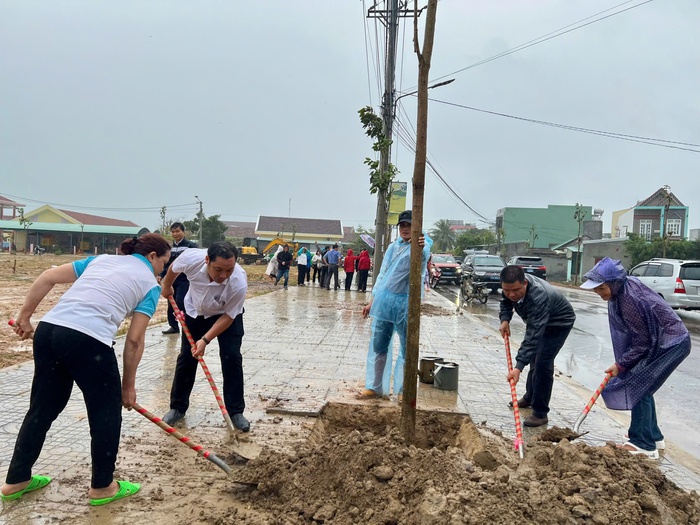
x: 488, y: 260
x: 443, y: 259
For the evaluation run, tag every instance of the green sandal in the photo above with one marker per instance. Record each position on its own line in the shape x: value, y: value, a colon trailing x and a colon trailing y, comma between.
x: 36, y: 483
x: 126, y: 489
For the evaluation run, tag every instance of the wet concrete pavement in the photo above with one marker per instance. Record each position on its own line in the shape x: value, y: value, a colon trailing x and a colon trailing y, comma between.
x: 303, y: 347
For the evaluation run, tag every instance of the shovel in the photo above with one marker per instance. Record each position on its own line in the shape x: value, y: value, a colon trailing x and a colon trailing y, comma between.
x: 187, y: 441
x: 245, y: 450
x: 518, y: 442
x: 590, y: 404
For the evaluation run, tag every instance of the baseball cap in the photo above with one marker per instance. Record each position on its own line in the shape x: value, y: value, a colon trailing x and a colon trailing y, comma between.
x: 590, y: 284
x: 405, y: 216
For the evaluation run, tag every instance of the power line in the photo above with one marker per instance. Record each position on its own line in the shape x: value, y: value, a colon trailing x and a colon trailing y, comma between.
x: 409, y: 142
x: 620, y: 136
x: 97, y: 208
x: 549, y: 36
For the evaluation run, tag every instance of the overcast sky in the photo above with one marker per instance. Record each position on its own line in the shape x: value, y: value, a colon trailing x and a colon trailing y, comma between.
x: 124, y: 107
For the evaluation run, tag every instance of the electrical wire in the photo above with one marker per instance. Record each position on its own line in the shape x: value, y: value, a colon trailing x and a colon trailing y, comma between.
x: 409, y: 142
x: 367, y: 52
x: 663, y: 143
x: 97, y: 208
x: 549, y: 36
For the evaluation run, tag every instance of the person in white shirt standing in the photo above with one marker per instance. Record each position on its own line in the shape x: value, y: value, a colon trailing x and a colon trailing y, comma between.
x: 213, y: 309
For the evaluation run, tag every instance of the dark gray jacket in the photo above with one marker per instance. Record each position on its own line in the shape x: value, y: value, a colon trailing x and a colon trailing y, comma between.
x: 542, y: 307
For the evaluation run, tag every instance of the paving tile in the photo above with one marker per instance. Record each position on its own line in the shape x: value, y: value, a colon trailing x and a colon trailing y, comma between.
x: 302, y: 348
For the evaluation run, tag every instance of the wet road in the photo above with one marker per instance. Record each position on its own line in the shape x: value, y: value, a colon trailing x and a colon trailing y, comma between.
x: 588, y: 352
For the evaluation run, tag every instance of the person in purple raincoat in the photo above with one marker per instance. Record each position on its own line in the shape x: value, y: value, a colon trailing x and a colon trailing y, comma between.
x: 649, y: 342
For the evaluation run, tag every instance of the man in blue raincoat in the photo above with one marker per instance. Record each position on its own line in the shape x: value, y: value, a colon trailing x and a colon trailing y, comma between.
x: 649, y: 342
x: 389, y: 310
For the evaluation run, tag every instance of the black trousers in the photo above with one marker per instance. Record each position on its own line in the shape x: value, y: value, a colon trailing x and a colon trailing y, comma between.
x: 63, y: 356
x: 540, y: 378
x: 324, y: 273
x: 362, y: 280
x: 332, y: 273
x: 180, y: 288
x: 348, y: 280
x: 302, y: 274
x: 231, y: 364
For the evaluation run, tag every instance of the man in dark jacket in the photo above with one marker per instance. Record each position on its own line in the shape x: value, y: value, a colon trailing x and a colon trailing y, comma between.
x: 549, y: 318
x: 181, y: 284
x: 284, y: 262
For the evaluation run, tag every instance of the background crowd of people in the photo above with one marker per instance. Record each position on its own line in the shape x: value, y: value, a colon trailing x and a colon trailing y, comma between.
x: 321, y: 267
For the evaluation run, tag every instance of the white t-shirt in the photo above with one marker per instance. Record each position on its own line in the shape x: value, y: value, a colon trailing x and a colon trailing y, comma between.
x: 206, y: 297
x: 108, y: 289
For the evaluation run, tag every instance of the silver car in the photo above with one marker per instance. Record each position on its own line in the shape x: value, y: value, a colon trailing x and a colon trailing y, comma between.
x: 677, y: 281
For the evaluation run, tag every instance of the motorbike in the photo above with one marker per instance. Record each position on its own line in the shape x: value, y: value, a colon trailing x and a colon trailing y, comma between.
x: 434, y: 278
x: 469, y: 290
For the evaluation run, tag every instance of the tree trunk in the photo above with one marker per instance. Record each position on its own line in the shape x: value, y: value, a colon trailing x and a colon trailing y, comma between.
x: 408, y: 408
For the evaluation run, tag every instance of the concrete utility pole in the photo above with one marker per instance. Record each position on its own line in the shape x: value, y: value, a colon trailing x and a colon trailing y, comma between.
x: 390, y: 18
x: 664, y: 219
x: 579, y: 215
x: 201, y: 221
x: 408, y: 407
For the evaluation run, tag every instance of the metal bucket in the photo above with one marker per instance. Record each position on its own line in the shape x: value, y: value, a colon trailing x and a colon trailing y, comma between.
x: 427, y: 368
x: 446, y: 376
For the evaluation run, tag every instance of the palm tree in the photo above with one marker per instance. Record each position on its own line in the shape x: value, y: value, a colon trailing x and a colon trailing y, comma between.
x: 444, y: 237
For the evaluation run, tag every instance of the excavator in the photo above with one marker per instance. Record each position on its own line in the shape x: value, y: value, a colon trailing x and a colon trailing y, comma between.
x: 248, y: 253
x: 277, y: 241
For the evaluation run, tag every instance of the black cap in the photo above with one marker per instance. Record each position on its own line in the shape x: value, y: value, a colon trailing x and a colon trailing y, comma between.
x: 405, y: 216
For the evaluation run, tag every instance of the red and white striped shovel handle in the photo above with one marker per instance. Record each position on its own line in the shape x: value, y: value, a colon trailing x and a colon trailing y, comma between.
x: 592, y: 401
x: 519, y: 443
x: 199, y: 449
x: 220, y: 401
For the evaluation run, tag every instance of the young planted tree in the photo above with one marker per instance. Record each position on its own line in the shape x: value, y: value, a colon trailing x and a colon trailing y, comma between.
x: 408, y: 407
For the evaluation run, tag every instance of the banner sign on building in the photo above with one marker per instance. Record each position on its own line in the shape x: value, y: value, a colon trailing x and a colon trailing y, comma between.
x: 397, y: 202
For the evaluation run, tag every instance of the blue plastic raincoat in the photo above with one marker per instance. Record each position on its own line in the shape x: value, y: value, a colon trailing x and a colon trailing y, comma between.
x: 389, y: 314
x: 649, y: 339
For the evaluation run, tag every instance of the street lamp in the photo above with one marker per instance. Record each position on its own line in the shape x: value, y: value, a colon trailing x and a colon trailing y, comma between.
x: 201, y: 221
x: 439, y: 84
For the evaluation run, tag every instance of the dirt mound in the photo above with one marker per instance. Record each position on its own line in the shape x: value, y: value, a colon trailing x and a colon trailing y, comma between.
x: 356, y: 468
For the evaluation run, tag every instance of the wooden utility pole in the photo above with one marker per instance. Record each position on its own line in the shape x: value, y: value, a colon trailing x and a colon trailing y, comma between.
x: 408, y: 408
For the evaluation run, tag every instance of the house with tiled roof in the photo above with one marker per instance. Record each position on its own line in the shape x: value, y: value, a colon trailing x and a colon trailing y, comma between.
x: 304, y: 231
x: 649, y: 218
x: 239, y: 229
x: 69, y: 231
x: 9, y: 210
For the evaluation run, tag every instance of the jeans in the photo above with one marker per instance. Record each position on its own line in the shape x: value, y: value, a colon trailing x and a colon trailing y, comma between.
x: 540, y: 378
x: 283, y: 271
x: 63, y: 356
x: 231, y: 364
x: 644, y: 431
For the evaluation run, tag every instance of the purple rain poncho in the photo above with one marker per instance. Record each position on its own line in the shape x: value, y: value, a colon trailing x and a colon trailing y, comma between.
x: 649, y: 339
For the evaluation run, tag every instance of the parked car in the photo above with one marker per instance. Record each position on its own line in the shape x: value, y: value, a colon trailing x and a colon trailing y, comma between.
x: 677, y: 281
x: 530, y: 264
x: 486, y: 268
x: 450, y: 270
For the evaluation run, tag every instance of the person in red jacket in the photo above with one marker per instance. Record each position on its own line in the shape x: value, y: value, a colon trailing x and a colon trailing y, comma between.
x: 364, y: 263
x: 349, y: 267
